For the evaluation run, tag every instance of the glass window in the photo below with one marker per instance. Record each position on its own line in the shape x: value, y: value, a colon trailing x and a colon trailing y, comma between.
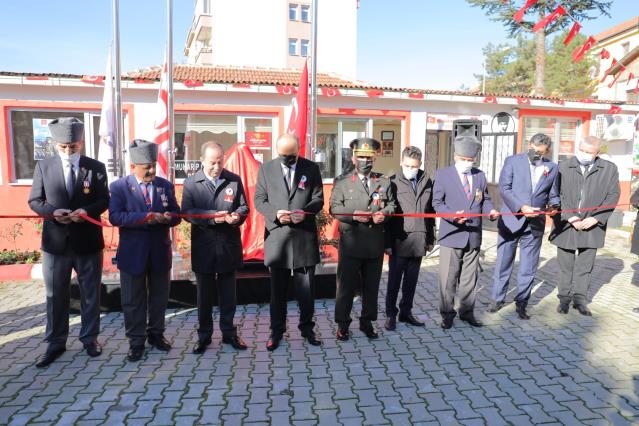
x: 292, y: 12
x: 305, y: 13
x: 31, y: 140
x: 192, y: 131
x: 388, y: 132
x: 292, y: 46
x: 304, y: 48
x: 326, y: 146
x: 564, y: 133
x: 258, y: 135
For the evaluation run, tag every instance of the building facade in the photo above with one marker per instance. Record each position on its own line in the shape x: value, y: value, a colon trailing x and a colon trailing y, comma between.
x: 273, y: 34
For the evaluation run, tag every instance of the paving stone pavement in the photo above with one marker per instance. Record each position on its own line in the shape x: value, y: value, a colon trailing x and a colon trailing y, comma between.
x: 553, y: 369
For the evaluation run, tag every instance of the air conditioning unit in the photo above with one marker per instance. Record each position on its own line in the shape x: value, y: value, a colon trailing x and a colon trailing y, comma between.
x: 615, y: 127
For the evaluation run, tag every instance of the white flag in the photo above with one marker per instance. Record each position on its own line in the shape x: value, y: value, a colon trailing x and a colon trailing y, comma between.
x: 107, y: 122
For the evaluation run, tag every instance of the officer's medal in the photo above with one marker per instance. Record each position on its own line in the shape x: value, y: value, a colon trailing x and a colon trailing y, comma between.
x: 479, y: 195
x: 376, y: 199
x: 87, y: 183
x: 302, y: 184
x: 228, y: 195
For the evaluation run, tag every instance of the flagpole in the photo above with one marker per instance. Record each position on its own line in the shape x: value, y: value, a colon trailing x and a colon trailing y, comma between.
x: 313, y: 109
x: 169, y: 59
x: 119, y: 148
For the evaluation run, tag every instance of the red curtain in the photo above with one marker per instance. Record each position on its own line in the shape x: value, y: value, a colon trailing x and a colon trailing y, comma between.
x: 240, y: 161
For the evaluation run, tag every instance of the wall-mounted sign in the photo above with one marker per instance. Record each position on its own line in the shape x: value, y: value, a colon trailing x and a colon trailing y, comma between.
x: 258, y: 139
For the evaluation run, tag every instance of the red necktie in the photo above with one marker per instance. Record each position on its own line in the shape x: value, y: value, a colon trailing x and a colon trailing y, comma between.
x: 467, y: 187
x: 147, y: 195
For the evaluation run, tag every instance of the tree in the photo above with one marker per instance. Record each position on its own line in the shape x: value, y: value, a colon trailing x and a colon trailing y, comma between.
x: 503, y: 11
x: 511, y: 69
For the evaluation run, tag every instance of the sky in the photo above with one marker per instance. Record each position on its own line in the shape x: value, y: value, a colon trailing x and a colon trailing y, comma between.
x: 434, y: 44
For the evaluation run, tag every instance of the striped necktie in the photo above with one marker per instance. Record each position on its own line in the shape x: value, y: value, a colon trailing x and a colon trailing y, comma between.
x: 146, y: 192
x: 469, y: 195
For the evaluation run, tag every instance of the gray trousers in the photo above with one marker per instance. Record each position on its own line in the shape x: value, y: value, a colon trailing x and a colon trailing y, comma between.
x: 56, y: 269
x: 575, y: 268
x: 226, y: 296
x: 142, y: 293
x: 457, y: 276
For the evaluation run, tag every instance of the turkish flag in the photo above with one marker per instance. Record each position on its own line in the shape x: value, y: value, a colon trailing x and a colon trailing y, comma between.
x: 617, y: 76
x: 490, y: 100
x: 298, y: 121
x: 286, y: 90
x: 161, y: 124
x: 581, y: 50
x: 522, y: 101
x: 630, y: 77
x: 557, y: 101
x: 239, y: 160
x: 573, y: 32
x: 142, y: 81
x: 329, y: 91
x: 418, y: 95
x: 557, y: 13
x: 93, y: 79
x: 604, y: 54
x: 607, y: 73
x: 519, y: 15
x: 614, y: 109
x: 374, y: 93
x: 193, y: 83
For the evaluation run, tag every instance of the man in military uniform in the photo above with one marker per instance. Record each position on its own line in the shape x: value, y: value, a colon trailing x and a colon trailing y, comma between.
x: 360, y: 200
x: 65, y: 188
x: 143, y: 206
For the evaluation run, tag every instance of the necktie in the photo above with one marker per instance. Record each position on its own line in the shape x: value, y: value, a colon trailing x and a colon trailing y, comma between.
x: 467, y: 187
x: 414, y: 182
x: 146, y: 192
x: 212, y: 185
x: 70, y: 180
x: 365, y: 183
x: 289, y: 172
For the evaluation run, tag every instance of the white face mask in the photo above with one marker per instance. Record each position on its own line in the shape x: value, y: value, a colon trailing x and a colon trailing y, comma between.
x: 463, y: 166
x: 72, y: 158
x: 584, y: 158
x: 409, y: 173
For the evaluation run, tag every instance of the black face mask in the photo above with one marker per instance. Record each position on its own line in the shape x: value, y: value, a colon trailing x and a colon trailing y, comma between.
x: 533, y: 155
x: 288, y: 160
x: 364, y: 166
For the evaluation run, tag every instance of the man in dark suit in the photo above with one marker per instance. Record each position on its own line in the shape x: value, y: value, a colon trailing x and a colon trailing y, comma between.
x: 216, y: 244
x: 585, y: 181
x: 460, y: 189
x: 528, y: 184
x: 410, y: 238
x: 64, y: 188
x: 143, y: 207
x: 364, y: 198
x: 288, y: 194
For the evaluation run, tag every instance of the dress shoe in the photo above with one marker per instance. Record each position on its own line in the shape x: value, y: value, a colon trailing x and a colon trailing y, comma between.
x: 93, y: 348
x: 390, y: 324
x: 343, y: 334
x: 447, y: 323
x: 160, y: 343
x: 410, y: 319
x: 521, y: 312
x: 471, y: 320
x: 583, y: 309
x: 135, y: 353
x: 496, y: 306
x: 563, y: 308
x: 635, y: 310
x: 49, y: 356
x: 369, y: 331
x: 273, y: 343
x: 236, y: 342
x: 201, y: 346
x: 312, y: 339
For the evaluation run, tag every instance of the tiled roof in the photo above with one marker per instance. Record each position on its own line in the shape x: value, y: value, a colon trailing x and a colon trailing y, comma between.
x: 618, y: 29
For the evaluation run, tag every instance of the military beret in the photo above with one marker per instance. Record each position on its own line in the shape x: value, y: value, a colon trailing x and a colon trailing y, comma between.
x: 66, y: 130
x: 365, y: 147
x: 143, y: 152
x: 467, y: 146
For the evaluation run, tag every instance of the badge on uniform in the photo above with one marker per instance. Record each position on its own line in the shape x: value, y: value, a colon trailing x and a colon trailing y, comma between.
x: 376, y: 198
x: 165, y: 200
x: 302, y: 184
x: 87, y: 183
x: 228, y: 195
x: 479, y: 195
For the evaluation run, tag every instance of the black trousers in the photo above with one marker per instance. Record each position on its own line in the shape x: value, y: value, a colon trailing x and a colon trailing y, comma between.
x: 227, y: 301
x: 304, y: 282
x: 353, y: 272
x: 398, y: 268
x: 575, y: 269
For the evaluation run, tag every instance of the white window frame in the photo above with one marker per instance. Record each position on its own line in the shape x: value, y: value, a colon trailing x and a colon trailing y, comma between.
x: 302, y: 53
x: 293, y: 7
x: 307, y: 8
x: 289, y: 46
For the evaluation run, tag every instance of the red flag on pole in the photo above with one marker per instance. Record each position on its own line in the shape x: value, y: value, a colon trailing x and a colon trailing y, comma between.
x: 573, y: 32
x: 604, y: 54
x: 607, y: 73
x: 519, y: 15
x: 614, y: 109
x: 621, y: 70
x: 298, y: 121
x: 581, y: 50
x: 630, y: 77
x: 557, y: 13
x: 161, y: 125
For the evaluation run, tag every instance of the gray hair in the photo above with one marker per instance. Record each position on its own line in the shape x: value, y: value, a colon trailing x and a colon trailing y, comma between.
x: 211, y: 144
x: 541, y: 139
x: 592, y: 141
x: 412, y: 152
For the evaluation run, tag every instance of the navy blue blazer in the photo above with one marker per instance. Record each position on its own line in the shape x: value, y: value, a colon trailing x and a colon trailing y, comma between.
x: 515, y: 186
x: 142, y: 245
x: 449, y: 197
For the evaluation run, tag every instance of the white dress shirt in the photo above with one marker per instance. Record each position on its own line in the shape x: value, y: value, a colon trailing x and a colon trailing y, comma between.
x: 536, y: 170
x: 285, y: 172
x: 149, y: 188
x: 66, y: 169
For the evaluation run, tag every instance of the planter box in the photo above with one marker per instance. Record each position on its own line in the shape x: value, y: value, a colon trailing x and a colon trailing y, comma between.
x: 17, y: 272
